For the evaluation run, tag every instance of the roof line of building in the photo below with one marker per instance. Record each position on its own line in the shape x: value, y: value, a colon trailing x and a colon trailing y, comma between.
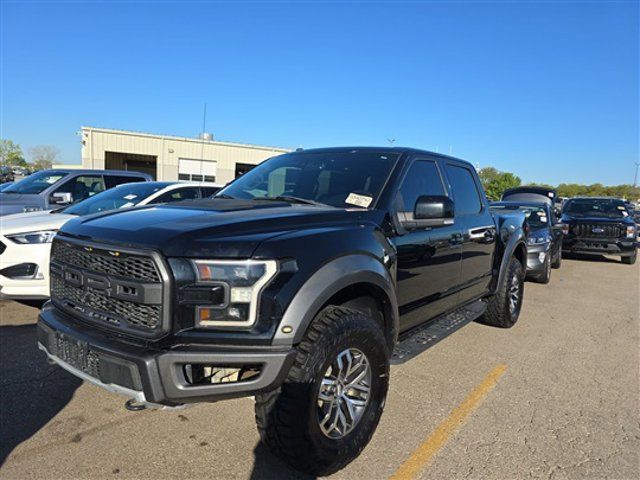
x: 188, y: 139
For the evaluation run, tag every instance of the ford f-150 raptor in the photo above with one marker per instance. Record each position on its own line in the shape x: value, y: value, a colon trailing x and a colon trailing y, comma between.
x: 293, y: 285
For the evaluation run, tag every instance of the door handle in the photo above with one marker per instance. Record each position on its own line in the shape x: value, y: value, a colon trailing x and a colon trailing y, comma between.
x: 482, y: 233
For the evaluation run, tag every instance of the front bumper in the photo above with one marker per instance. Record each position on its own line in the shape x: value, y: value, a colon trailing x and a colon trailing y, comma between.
x: 597, y: 246
x: 36, y: 288
x: 154, y: 377
x: 536, y: 258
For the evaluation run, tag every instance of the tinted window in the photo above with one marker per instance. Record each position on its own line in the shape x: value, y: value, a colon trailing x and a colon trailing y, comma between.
x: 176, y: 195
x: 341, y: 179
x: 423, y: 178
x: 209, y: 191
x: 36, y: 183
x: 596, y: 207
x: 83, y: 186
x: 465, y: 192
x: 114, y: 180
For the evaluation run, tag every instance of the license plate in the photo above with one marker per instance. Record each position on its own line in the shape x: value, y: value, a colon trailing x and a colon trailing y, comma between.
x: 77, y: 354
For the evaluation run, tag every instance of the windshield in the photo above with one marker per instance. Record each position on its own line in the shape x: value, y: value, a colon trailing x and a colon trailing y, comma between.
x: 36, y: 183
x: 122, y: 196
x: 596, y: 207
x: 536, y: 216
x: 340, y: 179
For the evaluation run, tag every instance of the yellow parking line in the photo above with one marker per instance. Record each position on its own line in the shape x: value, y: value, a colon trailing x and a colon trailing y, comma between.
x: 412, y: 467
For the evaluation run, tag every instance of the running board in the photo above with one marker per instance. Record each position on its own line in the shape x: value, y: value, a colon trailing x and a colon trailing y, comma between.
x: 419, y: 339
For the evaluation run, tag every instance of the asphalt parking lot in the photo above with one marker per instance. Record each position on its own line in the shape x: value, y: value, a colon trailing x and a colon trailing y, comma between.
x: 557, y: 396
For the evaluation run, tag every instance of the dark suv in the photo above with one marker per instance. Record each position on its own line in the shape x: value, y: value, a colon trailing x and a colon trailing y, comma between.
x: 293, y: 286
x: 601, y: 226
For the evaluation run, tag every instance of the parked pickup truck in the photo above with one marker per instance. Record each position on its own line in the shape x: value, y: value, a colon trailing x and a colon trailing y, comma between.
x: 292, y: 285
x: 600, y: 226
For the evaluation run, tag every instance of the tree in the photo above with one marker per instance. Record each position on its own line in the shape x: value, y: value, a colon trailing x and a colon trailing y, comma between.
x: 11, y: 154
x: 496, y: 182
x: 43, y: 156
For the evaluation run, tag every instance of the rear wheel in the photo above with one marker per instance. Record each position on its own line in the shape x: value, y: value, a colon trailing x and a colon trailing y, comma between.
x: 630, y: 260
x: 329, y: 405
x: 504, y: 307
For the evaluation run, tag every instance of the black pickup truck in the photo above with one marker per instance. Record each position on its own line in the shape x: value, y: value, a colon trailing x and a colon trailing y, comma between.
x: 599, y: 226
x: 293, y: 285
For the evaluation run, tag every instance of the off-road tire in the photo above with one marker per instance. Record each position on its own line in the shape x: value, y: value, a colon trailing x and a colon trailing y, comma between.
x: 287, y: 417
x: 498, y: 313
x: 557, y: 262
x: 631, y: 259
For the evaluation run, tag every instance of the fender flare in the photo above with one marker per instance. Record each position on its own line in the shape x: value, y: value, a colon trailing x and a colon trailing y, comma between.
x: 325, y: 283
x: 515, y: 240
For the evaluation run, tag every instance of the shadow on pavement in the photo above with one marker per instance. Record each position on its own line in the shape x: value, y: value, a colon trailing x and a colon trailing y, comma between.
x: 267, y: 466
x: 32, y: 392
x: 591, y: 258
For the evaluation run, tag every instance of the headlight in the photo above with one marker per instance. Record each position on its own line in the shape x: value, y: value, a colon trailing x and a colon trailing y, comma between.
x: 565, y: 228
x: 239, y: 284
x: 631, y: 231
x: 42, y: 236
x: 537, y: 240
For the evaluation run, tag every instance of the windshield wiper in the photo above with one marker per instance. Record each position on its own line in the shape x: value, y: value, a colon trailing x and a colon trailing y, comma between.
x: 292, y: 199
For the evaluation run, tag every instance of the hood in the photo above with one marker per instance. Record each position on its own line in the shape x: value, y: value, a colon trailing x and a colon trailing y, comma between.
x: 212, y: 228
x: 595, y: 219
x: 15, y: 202
x: 32, y: 222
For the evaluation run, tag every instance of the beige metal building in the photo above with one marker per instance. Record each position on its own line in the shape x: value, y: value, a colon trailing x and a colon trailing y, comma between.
x: 170, y: 158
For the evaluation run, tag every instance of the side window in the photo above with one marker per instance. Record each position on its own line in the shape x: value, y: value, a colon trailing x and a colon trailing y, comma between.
x: 423, y: 178
x: 179, y: 194
x: 209, y: 191
x: 465, y: 192
x: 83, y: 186
x: 115, y: 180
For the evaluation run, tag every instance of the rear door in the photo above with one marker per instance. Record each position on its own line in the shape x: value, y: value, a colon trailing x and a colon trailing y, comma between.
x: 478, y: 230
x: 429, y: 259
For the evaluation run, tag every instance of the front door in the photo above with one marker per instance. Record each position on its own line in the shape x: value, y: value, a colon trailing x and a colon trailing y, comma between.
x: 429, y: 260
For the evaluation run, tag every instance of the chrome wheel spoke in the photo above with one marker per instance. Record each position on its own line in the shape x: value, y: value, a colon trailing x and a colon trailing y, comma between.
x: 344, y: 393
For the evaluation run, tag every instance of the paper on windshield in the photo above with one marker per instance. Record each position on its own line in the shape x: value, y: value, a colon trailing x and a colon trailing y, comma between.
x: 359, y: 200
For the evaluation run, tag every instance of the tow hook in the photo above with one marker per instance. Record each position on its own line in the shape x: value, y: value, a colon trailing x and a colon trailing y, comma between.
x: 134, y: 406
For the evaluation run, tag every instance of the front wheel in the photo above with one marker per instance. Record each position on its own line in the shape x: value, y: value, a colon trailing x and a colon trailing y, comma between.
x: 328, y: 407
x: 557, y: 262
x: 504, y: 307
x: 545, y: 276
x: 630, y: 260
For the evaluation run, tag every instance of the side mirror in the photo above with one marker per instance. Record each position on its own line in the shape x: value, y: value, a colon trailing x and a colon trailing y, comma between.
x: 61, y: 198
x: 429, y: 211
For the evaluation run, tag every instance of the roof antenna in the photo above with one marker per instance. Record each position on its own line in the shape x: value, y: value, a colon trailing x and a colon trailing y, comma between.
x: 202, y: 136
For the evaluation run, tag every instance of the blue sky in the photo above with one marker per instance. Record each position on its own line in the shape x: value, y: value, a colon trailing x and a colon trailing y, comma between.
x: 548, y: 90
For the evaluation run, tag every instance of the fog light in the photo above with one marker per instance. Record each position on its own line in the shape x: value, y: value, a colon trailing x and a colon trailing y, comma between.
x: 202, y: 374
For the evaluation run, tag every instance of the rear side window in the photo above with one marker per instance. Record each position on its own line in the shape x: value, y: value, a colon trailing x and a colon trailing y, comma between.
x: 423, y: 178
x: 189, y: 193
x: 209, y: 191
x: 465, y: 192
x: 115, y: 180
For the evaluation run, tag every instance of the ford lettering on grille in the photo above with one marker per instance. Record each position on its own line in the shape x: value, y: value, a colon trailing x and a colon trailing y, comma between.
x: 122, y: 291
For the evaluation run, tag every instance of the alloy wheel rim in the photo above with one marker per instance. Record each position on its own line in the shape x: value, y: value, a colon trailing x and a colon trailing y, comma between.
x: 344, y: 393
x: 514, y: 294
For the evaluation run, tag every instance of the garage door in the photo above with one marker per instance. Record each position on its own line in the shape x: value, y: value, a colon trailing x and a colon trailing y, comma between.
x: 197, y: 170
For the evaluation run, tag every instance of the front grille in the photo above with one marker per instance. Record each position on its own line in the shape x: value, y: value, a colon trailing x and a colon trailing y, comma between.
x: 116, y: 289
x: 105, y: 308
x: 130, y: 267
x: 597, y: 230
